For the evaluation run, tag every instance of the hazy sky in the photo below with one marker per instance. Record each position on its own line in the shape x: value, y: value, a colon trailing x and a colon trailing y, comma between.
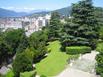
x: 28, y: 5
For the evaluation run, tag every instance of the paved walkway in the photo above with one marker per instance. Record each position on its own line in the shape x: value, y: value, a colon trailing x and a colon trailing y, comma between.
x: 83, y: 67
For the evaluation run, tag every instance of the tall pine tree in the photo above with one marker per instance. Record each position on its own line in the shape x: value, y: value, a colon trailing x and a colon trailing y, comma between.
x: 83, y: 27
x: 83, y: 16
x: 54, y: 25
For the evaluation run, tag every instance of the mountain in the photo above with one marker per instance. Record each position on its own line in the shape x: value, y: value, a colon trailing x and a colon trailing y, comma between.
x: 43, y: 13
x: 38, y: 11
x: 9, y: 13
x: 64, y: 12
x: 35, y: 13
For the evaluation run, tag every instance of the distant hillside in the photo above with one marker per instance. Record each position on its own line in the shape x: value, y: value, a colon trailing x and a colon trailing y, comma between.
x: 64, y: 11
x: 35, y: 13
x: 9, y: 13
x: 43, y: 13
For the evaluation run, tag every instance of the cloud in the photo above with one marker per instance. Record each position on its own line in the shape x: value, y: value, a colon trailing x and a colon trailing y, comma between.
x: 18, y: 9
x: 9, y: 8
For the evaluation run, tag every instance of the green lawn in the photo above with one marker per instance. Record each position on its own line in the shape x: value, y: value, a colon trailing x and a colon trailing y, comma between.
x: 10, y: 74
x: 54, y: 63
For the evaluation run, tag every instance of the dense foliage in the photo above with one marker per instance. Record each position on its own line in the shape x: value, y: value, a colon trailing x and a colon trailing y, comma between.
x: 83, y: 27
x: 101, y: 32
x: 99, y: 59
x: 99, y: 15
x: 37, y: 41
x: 5, y: 51
x: 22, y: 63
x: 15, y: 43
x: 16, y: 39
x: 54, y: 26
x: 12, y: 41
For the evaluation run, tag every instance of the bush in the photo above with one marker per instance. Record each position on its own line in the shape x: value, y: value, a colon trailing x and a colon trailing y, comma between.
x: 99, y: 70
x: 101, y: 33
x: 100, y: 47
x: 21, y: 63
x: 42, y: 76
x: 28, y: 74
x: 99, y: 67
x: 77, y: 49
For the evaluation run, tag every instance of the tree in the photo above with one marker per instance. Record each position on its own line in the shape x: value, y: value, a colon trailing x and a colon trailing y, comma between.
x: 54, y: 25
x: 99, y: 15
x: 16, y: 39
x: 5, y: 51
x: 101, y: 33
x: 83, y: 16
x: 83, y: 27
x: 37, y: 42
x: 22, y: 63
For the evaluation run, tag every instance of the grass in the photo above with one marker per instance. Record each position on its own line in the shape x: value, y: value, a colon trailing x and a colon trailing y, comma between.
x: 54, y: 63
x: 10, y: 74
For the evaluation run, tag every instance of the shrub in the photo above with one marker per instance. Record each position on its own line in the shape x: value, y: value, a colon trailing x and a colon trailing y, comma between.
x: 100, y: 47
x: 77, y: 49
x: 42, y: 76
x: 21, y: 63
x: 101, y: 33
x: 99, y: 66
x: 99, y: 70
x: 28, y: 74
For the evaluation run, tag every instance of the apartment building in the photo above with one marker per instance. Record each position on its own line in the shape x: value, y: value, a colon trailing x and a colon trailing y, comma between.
x: 29, y: 24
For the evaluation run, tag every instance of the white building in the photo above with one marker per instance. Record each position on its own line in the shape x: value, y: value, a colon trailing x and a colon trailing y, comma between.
x: 10, y: 24
x: 29, y: 24
x: 36, y: 24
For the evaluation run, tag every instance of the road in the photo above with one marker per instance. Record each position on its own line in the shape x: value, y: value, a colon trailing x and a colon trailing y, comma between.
x: 84, y: 66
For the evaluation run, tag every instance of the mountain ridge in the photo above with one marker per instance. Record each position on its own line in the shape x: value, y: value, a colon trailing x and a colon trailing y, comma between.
x: 9, y: 13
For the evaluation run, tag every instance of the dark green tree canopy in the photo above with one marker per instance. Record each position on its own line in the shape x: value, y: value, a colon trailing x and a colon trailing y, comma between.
x: 82, y: 28
x: 16, y: 39
x: 54, y: 25
x: 22, y: 63
x: 83, y: 16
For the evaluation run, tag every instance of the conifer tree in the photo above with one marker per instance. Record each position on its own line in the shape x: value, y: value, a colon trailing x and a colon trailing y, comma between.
x: 83, y: 27
x: 54, y: 25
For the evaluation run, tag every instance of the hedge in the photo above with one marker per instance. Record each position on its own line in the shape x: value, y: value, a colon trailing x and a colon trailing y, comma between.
x: 78, y: 49
x: 28, y: 74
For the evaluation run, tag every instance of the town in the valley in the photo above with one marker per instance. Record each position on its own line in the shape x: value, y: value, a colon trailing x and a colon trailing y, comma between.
x: 29, y: 24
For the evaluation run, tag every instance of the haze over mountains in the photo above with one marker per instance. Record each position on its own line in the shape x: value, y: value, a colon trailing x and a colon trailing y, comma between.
x: 8, y: 13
